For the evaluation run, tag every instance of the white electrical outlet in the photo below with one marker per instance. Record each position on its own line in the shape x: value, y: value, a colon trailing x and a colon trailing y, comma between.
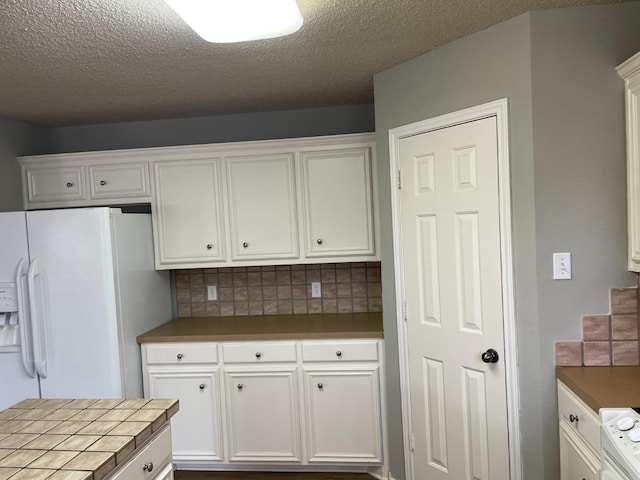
x: 212, y: 292
x: 316, y: 289
x: 562, y: 266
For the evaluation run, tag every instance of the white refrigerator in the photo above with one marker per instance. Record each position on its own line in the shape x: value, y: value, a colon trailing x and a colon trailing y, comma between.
x: 76, y: 288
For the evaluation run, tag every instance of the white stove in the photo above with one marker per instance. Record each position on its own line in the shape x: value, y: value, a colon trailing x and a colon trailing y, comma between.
x: 620, y: 444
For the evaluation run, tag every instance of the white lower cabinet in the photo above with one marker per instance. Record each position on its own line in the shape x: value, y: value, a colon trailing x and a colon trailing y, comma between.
x: 263, y: 423
x: 576, y: 460
x: 580, y: 443
x: 196, y: 426
x: 343, y: 415
x: 293, y: 404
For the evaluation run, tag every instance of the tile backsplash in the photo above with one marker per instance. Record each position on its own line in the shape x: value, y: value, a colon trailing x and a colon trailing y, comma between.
x: 278, y: 290
x: 610, y: 339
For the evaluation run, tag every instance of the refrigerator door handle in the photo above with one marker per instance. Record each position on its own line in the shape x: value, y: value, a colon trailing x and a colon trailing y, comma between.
x: 36, y: 303
x: 26, y: 347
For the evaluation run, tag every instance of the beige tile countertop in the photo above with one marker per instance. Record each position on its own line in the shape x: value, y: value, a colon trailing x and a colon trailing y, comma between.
x: 267, y: 327
x: 66, y: 439
x: 603, y: 387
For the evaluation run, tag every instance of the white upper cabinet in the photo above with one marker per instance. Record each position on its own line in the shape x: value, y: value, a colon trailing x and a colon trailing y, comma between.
x: 630, y: 72
x: 118, y: 181
x: 187, y: 213
x: 84, y: 180
x: 262, y: 203
x: 338, y: 202
x: 55, y: 184
x: 303, y: 200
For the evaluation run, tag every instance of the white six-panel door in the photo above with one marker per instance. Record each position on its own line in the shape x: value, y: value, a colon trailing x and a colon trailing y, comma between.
x: 450, y: 222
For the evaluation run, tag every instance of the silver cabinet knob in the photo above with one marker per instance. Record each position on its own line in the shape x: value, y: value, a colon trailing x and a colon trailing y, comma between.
x: 69, y: 184
x: 202, y: 386
x: 258, y: 354
x: 245, y: 245
x: 240, y: 386
x: 319, y: 241
x: 573, y: 418
x: 148, y: 467
x: 179, y: 356
x: 103, y: 182
x: 209, y: 246
x: 320, y: 386
x: 339, y: 354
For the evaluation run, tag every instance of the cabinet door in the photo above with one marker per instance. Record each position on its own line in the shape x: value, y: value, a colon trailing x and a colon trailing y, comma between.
x: 187, y: 214
x: 197, y: 435
x: 262, y: 201
x: 56, y: 184
x: 119, y: 181
x: 576, y: 460
x: 338, y: 203
x: 262, y: 415
x: 343, y: 415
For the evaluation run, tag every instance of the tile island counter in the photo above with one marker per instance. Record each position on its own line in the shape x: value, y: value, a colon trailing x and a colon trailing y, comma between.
x: 87, y: 439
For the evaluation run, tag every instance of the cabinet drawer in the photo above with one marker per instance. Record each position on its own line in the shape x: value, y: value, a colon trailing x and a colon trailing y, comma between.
x: 259, y: 352
x: 119, y: 181
x: 56, y: 184
x: 179, y: 353
x: 587, y: 423
x: 157, y: 452
x: 340, y: 351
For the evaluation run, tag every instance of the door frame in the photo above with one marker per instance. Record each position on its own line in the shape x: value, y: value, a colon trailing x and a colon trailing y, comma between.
x: 499, y: 110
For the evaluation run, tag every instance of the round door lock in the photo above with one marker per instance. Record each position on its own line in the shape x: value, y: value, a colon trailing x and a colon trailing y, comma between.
x: 490, y: 356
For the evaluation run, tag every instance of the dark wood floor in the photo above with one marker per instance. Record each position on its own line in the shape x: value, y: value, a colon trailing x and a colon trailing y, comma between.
x: 191, y: 475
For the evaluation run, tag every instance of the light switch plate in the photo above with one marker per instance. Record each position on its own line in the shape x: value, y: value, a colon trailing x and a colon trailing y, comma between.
x: 316, y: 289
x: 562, y: 266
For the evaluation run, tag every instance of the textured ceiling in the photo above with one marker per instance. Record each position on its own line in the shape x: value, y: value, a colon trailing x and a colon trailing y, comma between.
x: 70, y: 62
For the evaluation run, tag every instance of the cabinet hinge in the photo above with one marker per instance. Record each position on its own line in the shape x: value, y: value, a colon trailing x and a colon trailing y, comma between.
x: 411, y: 441
x: 404, y: 311
x: 398, y: 178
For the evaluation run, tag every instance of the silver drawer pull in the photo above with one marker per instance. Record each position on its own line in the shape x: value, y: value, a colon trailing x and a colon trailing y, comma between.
x: 103, y: 182
x: 179, y: 356
x: 573, y: 418
x: 202, y: 386
x: 245, y: 245
x: 240, y: 386
x: 320, y: 386
x: 339, y: 354
x: 69, y: 184
x: 148, y: 467
x: 319, y: 241
x: 209, y: 246
x: 258, y: 354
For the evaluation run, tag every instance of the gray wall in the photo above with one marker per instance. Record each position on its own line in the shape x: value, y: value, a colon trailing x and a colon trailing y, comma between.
x: 16, y: 138
x: 580, y: 174
x: 556, y: 68
x: 214, y: 129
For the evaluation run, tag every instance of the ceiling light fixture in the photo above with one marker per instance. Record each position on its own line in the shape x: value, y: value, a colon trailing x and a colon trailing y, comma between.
x: 228, y: 21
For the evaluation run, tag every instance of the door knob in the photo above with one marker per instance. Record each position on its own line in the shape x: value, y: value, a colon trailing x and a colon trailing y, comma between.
x: 490, y: 356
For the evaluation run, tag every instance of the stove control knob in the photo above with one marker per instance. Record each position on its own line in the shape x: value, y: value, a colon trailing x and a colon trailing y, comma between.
x: 634, y: 435
x: 625, y: 423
